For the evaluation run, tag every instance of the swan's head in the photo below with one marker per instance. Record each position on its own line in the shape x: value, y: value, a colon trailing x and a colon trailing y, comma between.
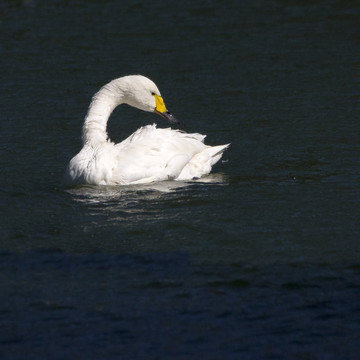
x: 142, y: 93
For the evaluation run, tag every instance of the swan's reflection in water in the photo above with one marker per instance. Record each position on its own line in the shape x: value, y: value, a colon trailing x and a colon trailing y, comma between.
x: 157, y: 217
x: 152, y: 200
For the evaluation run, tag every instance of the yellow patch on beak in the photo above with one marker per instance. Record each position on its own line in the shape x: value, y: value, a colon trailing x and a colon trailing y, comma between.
x: 160, y: 105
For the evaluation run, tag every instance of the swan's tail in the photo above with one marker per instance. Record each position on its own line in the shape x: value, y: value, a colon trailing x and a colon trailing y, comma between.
x: 202, y: 162
x: 216, y: 152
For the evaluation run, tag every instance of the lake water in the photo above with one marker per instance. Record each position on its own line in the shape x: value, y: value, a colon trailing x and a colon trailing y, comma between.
x: 259, y: 260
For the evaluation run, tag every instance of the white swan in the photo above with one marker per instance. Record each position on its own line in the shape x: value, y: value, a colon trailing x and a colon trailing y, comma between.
x: 149, y: 154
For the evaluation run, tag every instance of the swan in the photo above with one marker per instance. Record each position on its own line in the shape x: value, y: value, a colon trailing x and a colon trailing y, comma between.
x: 150, y: 154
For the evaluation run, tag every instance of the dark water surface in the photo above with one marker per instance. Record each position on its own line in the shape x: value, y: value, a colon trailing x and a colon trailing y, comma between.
x: 260, y: 260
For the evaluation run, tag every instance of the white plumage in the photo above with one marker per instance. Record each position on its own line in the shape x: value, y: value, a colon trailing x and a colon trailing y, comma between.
x: 150, y: 154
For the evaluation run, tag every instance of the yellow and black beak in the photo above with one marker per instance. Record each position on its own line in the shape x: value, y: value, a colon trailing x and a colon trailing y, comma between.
x: 160, y: 109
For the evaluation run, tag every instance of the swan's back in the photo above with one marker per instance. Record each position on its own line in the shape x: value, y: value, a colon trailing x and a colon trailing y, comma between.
x: 152, y: 154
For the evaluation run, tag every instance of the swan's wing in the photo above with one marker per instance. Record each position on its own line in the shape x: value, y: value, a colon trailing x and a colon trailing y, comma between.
x: 152, y: 154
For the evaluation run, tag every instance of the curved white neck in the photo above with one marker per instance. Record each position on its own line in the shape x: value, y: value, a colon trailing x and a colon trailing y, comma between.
x: 102, y: 105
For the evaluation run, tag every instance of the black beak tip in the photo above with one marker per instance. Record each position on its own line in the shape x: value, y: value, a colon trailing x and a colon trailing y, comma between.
x: 171, y: 118
x: 168, y: 116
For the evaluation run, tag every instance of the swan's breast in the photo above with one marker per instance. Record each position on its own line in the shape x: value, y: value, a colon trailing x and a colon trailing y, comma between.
x: 94, y: 164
